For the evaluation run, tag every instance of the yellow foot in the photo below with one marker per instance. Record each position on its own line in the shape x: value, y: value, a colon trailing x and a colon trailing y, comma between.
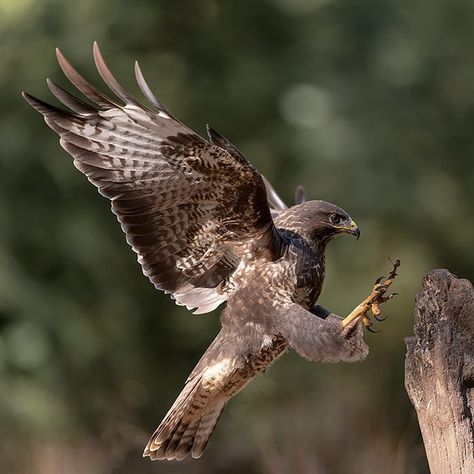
x: 371, y: 303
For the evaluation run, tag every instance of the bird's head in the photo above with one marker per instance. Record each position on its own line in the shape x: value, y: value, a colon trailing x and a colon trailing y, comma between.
x: 329, y: 220
x: 321, y: 221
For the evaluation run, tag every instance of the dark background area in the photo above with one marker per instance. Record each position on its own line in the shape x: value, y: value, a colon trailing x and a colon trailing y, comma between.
x: 368, y: 104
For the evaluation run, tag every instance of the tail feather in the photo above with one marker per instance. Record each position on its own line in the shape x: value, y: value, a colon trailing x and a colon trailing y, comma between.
x: 205, y: 430
x: 182, y: 433
x: 187, y: 440
x: 190, y: 422
x: 175, y: 439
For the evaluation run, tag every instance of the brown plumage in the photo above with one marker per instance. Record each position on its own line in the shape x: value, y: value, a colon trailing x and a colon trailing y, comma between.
x: 207, y: 228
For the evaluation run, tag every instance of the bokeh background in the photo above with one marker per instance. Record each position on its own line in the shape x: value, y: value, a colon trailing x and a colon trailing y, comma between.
x: 368, y: 104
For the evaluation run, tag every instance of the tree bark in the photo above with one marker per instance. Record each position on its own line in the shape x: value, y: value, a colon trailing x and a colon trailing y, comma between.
x: 439, y: 371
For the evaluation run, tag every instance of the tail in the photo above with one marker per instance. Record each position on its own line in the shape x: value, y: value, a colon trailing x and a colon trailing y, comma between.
x: 220, y: 374
x: 191, y: 420
x: 187, y: 427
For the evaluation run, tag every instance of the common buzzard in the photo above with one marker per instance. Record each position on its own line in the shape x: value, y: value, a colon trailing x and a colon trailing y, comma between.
x: 208, y: 228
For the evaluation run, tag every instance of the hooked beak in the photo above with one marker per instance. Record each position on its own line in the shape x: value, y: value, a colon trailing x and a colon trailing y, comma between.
x: 349, y: 229
x: 353, y: 229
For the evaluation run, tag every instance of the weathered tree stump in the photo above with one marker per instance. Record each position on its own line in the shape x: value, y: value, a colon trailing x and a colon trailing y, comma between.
x: 439, y: 371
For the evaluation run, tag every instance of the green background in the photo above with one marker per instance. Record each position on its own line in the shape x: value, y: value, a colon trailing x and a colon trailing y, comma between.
x: 368, y: 104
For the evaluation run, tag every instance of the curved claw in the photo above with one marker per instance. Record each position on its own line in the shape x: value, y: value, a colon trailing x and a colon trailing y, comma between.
x: 373, y: 331
x: 393, y: 273
x: 384, y: 299
x: 379, y: 279
x: 380, y: 319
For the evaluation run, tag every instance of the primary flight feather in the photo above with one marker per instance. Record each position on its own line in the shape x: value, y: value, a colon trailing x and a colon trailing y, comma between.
x: 207, y: 228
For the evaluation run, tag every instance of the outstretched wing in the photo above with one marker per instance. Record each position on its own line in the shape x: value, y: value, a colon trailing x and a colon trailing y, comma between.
x: 187, y: 206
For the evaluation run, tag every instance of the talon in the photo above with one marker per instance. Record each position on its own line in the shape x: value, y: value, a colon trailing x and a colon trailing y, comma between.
x: 376, y: 312
x: 372, y: 302
x: 384, y: 299
x: 368, y: 323
x: 373, y: 331
x: 393, y: 273
x: 395, y: 264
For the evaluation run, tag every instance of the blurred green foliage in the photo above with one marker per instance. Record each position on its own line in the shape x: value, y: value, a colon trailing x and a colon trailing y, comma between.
x: 368, y: 104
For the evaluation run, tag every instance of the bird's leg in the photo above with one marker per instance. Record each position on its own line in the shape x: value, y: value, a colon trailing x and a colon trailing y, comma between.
x: 371, y: 303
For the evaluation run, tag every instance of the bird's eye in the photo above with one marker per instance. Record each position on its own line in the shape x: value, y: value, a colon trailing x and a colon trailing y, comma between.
x: 336, y: 219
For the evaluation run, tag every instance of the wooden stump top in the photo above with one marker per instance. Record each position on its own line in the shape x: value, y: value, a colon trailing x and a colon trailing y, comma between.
x: 439, y: 371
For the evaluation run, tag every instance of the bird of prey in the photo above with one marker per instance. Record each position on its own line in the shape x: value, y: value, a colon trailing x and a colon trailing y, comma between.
x: 208, y: 229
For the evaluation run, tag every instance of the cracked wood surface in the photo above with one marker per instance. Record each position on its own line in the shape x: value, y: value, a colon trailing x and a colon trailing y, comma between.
x: 439, y: 371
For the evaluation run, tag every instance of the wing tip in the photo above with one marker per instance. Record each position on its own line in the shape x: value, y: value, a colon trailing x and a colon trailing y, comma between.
x: 96, y: 51
x: 63, y: 62
x: 31, y: 101
x: 37, y: 104
x: 147, y: 92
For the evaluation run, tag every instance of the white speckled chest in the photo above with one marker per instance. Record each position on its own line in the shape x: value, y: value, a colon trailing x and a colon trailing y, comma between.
x: 297, y: 276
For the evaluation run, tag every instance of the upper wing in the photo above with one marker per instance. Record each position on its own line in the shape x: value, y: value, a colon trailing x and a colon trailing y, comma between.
x: 186, y: 205
x: 276, y: 203
x: 319, y: 339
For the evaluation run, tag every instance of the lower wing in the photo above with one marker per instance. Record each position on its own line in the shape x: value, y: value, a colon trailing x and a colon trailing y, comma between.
x: 318, y: 339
